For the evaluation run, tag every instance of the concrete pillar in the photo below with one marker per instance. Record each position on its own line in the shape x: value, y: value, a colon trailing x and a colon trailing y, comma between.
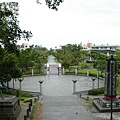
x: 87, y: 73
x: 108, y: 53
x: 32, y: 72
x: 41, y: 87
x: 90, y: 59
x: 48, y: 71
x: 76, y: 71
x: 93, y: 79
x: 59, y: 70
x: 74, y: 85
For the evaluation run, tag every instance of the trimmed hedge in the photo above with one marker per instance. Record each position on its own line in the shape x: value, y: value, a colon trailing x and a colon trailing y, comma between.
x: 96, y: 91
x: 17, y: 93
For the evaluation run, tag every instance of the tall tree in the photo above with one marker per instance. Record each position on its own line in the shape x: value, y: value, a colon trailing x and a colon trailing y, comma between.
x: 52, y: 4
x: 10, y: 33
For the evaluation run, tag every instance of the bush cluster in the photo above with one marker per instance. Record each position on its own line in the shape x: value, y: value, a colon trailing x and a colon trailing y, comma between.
x: 17, y: 93
x: 96, y: 91
x: 69, y: 73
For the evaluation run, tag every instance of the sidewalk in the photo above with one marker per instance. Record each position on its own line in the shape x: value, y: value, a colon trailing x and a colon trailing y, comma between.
x: 22, y: 113
x: 96, y: 115
x: 64, y: 108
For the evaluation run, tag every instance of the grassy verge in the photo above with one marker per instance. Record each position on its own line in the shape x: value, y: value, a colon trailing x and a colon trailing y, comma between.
x: 118, y: 85
x: 23, y: 96
x: 87, y: 103
x: 36, y: 111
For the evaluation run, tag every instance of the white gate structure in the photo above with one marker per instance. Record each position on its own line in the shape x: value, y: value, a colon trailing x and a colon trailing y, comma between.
x: 53, y: 68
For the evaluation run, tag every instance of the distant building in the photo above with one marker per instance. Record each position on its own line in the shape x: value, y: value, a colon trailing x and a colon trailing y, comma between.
x: 106, y: 49
x: 86, y: 46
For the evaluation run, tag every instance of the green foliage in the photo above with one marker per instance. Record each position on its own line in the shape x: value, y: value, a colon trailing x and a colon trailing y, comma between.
x: 52, y: 4
x: 70, y: 73
x: 117, y: 81
x: 25, y: 94
x: 118, y: 85
x: 10, y: 33
x: 84, y: 65
x: 88, y: 61
x: 118, y: 67
x: 32, y: 112
x: 96, y: 91
x: 82, y: 72
x: 33, y: 57
x: 70, y: 55
x: 17, y: 93
x: 8, y: 67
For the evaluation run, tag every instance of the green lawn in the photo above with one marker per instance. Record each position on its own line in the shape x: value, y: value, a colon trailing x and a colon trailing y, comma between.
x: 118, y: 85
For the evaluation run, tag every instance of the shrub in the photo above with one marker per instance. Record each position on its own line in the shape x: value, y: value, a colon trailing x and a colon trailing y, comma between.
x: 96, y: 91
x: 92, y: 74
x: 17, y: 93
x: 69, y: 73
x: 26, y: 94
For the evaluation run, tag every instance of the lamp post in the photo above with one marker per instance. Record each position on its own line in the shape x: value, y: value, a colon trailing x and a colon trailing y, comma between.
x: 98, y: 74
x: 74, y: 86
x: 20, y: 80
x: 113, y: 79
x: 93, y: 79
x: 13, y: 83
x: 41, y: 86
x: 110, y: 82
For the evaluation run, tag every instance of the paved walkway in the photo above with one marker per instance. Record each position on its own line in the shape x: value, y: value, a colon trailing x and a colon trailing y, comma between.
x: 60, y: 105
x: 58, y: 100
x: 64, y: 108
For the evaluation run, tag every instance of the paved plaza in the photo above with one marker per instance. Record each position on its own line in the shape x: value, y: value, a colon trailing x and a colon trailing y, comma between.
x: 64, y: 108
x: 58, y: 99
x: 55, y: 84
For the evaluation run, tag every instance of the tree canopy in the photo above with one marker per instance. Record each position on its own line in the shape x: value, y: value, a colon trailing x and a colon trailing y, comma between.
x: 52, y: 4
x: 10, y: 33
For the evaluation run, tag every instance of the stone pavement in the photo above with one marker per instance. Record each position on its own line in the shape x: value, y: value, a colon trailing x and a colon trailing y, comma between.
x: 22, y: 113
x: 64, y: 108
x: 58, y: 101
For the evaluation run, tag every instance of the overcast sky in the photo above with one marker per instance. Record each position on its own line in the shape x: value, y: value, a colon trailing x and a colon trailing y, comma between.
x: 76, y: 21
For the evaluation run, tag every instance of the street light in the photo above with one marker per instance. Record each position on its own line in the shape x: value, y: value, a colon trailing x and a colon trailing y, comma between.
x: 98, y: 74
x: 41, y: 86
x: 20, y: 80
x: 74, y: 87
x: 93, y: 79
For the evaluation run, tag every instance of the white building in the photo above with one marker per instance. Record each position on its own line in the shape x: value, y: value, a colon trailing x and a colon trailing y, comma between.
x: 107, y: 49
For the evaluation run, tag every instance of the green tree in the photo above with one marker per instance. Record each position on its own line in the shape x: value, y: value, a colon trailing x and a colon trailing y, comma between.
x: 9, y: 67
x: 100, y: 61
x: 70, y: 54
x: 33, y: 57
x: 117, y: 57
x: 25, y: 60
x: 41, y: 55
x: 10, y: 33
x: 52, y: 4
